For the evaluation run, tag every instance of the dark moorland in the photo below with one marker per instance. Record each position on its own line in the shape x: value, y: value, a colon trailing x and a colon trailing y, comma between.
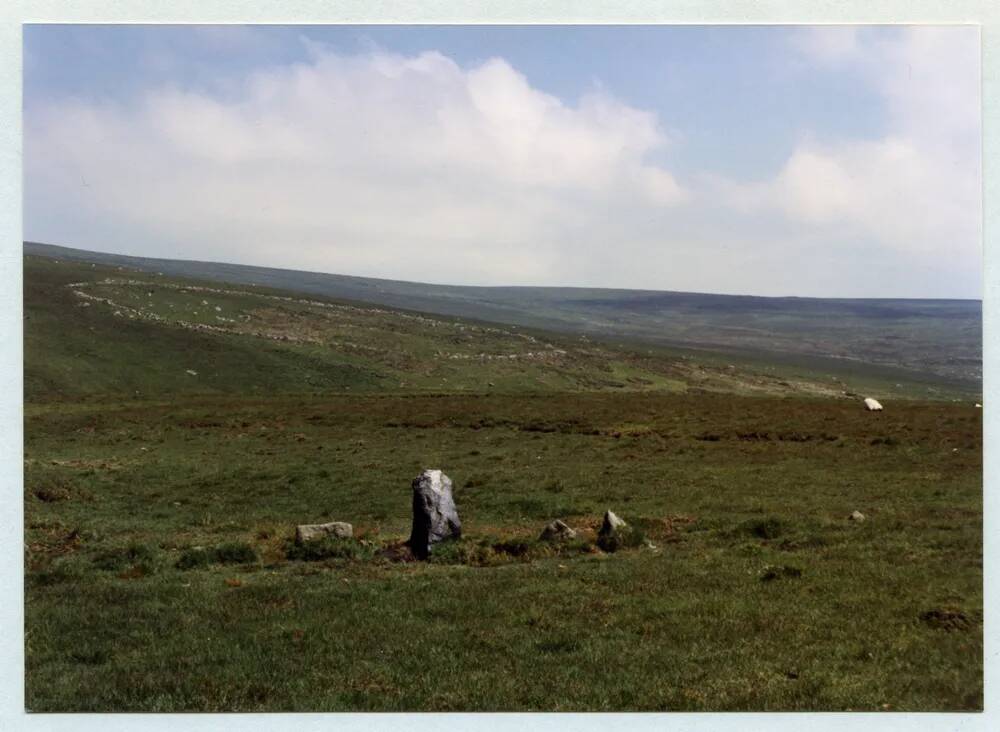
x: 177, y: 429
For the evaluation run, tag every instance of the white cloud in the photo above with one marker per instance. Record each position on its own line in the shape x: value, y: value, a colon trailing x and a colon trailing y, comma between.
x: 374, y: 164
x: 413, y: 167
x: 915, y: 190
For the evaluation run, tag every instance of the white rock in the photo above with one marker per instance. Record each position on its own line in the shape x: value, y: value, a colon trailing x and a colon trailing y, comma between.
x: 558, y: 530
x: 310, y: 532
x: 872, y: 405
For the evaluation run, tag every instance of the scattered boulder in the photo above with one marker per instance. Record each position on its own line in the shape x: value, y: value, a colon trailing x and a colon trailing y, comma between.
x: 856, y: 516
x: 435, y: 517
x: 311, y: 532
x: 558, y: 530
x: 872, y: 405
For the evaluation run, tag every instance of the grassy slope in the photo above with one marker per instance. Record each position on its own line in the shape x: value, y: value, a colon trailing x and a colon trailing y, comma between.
x: 939, y: 337
x: 726, y: 486
x: 74, y: 351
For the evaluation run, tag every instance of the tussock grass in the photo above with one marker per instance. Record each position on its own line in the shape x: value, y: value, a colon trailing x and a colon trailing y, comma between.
x: 329, y: 547
x: 132, y: 555
x: 768, y: 528
x: 228, y: 553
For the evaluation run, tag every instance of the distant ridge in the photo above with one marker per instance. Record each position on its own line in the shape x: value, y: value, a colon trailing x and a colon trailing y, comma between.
x: 935, y: 337
x: 149, y: 263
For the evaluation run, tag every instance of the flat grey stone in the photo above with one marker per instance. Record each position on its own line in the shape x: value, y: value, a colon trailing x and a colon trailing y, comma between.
x: 557, y: 530
x: 311, y: 532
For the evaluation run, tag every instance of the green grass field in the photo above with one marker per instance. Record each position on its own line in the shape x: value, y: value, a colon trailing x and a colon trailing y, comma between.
x: 160, y: 504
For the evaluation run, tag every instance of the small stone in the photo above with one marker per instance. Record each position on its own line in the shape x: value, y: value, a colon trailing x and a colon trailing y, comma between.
x: 856, y: 516
x: 311, y: 532
x: 558, y: 530
x: 872, y: 405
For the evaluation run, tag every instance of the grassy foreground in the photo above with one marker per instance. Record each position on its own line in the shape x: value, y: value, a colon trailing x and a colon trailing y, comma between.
x: 759, y: 595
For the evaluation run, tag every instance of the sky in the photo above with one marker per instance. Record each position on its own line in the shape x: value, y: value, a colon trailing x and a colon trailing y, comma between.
x: 834, y: 161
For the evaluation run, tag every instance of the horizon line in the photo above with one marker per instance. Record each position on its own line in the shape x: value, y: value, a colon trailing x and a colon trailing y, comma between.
x: 26, y: 242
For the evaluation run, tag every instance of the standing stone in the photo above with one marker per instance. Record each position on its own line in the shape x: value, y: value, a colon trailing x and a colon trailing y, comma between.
x: 435, y: 517
x: 612, y: 534
x: 558, y: 530
x: 311, y: 532
x: 611, y: 524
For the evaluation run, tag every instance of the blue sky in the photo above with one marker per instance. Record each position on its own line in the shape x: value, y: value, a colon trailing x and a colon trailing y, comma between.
x: 831, y: 161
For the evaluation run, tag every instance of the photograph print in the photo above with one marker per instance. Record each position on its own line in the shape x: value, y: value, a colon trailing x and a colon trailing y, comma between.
x: 552, y: 368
